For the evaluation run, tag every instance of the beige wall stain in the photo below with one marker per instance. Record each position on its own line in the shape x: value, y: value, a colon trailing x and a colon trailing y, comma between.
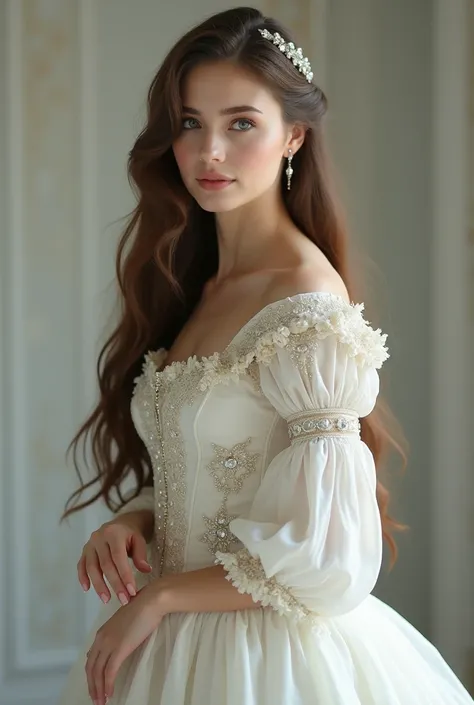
x: 296, y: 16
x: 50, y: 249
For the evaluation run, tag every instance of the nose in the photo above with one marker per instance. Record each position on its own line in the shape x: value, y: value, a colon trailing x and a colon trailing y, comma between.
x: 212, y: 149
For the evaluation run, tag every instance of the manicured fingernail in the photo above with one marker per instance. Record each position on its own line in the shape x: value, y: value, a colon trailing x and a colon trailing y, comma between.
x: 131, y: 589
x: 85, y: 587
x: 123, y: 598
x: 104, y: 598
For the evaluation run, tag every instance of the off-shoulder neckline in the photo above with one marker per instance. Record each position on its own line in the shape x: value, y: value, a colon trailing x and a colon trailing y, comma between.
x: 162, y: 352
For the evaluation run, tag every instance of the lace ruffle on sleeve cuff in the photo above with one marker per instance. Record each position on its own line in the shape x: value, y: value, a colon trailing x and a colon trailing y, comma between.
x: 246, y: 573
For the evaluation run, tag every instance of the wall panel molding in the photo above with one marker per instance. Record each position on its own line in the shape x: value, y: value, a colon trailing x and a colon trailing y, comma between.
x: 49, y: 283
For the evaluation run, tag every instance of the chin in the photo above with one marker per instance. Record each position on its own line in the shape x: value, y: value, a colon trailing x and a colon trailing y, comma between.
x: 218, y: 204
x: 218, y: 208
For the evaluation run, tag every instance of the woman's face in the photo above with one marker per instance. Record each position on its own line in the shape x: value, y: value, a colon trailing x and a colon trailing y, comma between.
x: 232, y: 131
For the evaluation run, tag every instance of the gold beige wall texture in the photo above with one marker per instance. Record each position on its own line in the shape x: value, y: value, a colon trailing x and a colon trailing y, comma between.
x: 296, y: 16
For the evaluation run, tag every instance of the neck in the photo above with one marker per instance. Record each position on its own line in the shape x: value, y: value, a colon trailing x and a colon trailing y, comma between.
x: 248, y: 236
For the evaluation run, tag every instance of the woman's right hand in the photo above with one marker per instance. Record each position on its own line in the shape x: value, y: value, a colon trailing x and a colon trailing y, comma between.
x: 106, y: 555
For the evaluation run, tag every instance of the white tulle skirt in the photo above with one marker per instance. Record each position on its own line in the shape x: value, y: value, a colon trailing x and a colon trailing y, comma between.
x: 371, y: 656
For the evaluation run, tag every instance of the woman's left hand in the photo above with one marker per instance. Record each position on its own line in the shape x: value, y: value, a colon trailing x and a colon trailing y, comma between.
x: 128, y: 627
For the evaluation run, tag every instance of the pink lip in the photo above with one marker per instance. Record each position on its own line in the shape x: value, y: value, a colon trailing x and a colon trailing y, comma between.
x: 214, y: 184
x: 214, y: 176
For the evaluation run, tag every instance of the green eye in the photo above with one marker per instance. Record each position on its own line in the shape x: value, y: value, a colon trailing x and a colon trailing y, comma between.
x: 247, y: 124
x: 186, y: 124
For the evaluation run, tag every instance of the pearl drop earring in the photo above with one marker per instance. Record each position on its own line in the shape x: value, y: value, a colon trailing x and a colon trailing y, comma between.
x: 289, y: 170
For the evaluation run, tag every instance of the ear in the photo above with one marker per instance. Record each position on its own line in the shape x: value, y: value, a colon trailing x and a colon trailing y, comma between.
x: 295, y: 139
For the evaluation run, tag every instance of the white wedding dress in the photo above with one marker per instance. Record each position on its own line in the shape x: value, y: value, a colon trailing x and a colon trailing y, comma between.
x: 259, y: 465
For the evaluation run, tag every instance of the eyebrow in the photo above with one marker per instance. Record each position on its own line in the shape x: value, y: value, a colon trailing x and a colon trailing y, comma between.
x: 226, y: 111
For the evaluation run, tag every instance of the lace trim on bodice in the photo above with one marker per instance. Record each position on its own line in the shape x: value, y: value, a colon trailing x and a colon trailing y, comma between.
x: 298, y: 323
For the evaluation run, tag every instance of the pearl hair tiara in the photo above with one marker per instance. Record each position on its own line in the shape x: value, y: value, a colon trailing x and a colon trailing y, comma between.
x: 288, y: 48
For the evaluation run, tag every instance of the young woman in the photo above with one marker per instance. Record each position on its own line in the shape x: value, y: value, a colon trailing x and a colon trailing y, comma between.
x: 250, y: 427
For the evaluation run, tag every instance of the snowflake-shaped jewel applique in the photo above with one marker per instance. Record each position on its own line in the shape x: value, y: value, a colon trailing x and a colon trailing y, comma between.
x: 218, y: 536
x: 230, y: 467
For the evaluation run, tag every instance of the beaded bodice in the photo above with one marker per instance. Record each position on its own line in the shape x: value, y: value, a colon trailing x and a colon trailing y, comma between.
x: 211, y: 431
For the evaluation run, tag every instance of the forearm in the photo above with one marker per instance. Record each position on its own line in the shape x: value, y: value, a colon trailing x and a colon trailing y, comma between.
x: 204, y: 590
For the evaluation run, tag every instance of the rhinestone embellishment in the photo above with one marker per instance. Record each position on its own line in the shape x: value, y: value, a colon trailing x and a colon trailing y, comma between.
x: 229, y: 468
x: 295, y: 55
x: 218, y: 536
x: 325, y: 422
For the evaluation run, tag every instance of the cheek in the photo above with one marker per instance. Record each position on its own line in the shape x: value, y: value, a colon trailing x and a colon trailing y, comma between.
x: 184, y: 156
x: 258, y: 154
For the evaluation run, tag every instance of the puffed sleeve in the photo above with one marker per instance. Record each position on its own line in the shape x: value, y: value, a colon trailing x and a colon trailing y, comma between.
x: 312, y: 537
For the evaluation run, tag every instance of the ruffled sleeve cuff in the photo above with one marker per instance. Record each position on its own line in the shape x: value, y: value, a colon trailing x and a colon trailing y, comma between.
x: 246, y: 573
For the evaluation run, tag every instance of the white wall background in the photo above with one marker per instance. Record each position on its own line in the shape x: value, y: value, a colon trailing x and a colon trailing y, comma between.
x: 73, y: 80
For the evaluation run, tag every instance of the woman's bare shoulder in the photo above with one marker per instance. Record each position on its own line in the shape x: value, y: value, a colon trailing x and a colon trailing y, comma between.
x: 312, y: 277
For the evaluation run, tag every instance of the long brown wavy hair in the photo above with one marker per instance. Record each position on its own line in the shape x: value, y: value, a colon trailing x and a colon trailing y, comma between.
x: 168, y: 249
